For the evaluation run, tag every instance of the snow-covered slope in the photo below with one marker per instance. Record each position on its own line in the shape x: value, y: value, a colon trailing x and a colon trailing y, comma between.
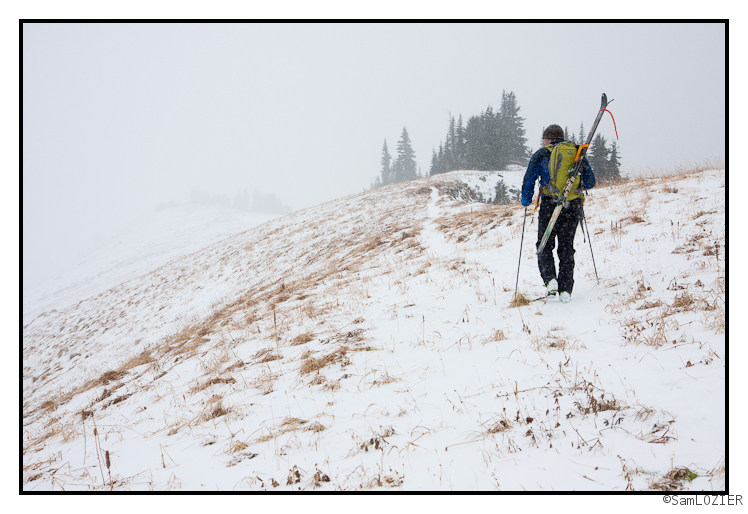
x: 370, y: 343
x: 147, y: 243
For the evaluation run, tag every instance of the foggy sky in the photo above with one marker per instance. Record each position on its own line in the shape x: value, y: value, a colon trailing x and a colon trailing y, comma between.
x: 120, y: 117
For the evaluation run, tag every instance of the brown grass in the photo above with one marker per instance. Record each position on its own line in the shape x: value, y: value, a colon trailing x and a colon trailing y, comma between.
x: 104, y: 379
x: 144, y: 357
x: 499, y: 426
x: 666, y: 174
x: 519, y: 300
x: 703, y: 213
x: 650, y: 305
x: 117, y: 400
x: 215, y: 409
x: 214, y: 381
x: 683, y: 301
x: 315, y: 427
x: 594, y: 405
x: 311, y: 364
x: 496, y: 335
x: 49, y: 405
x: 267, y: 355
x: 302, y: 338
x: 715, y: 322
x: 236, y: 446
x: 331, y: 385
x: 462, y: 225
x: 384, y: 378
x: 553, y: 342
x: 630, y: 220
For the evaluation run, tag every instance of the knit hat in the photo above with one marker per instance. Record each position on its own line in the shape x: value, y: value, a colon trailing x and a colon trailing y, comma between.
x: 553, y: 132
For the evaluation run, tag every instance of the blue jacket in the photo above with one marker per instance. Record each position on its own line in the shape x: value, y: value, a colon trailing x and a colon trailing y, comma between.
x: 538, y: 167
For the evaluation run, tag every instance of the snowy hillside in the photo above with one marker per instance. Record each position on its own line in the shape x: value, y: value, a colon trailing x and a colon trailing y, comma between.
x: 369, y: 342
x: 147, y: 243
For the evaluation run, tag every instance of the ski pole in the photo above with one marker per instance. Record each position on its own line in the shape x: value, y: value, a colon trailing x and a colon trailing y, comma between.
x: 521, y: 241
x: 584, y: 219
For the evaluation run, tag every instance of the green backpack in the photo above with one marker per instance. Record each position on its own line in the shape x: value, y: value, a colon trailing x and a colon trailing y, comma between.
x: 559, y: 168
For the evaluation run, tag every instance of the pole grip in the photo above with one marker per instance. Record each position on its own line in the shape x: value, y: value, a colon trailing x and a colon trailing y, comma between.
x: 579, y: 151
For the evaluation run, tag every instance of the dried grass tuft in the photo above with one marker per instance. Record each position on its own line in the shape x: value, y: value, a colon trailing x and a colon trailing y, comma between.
x: 501, y: 425
x: 311, y: 364
x: 630, y: 220
x: 302, y: 339
x: 554, y: 342
x: 49, y: 405
x: 315, y: 427
x: 519, y: 300
x: 214, y: 381
x: 237, y: 446
x: 384, y: 378
x: 683, y: 301
x: 496, y: 335
x: 650, y: 305
x: 267, y: 355
x: 331, y: 385
x: 216, y: 411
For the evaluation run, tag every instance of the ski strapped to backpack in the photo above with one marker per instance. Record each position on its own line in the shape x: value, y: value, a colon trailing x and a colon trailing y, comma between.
x: 574, y: 175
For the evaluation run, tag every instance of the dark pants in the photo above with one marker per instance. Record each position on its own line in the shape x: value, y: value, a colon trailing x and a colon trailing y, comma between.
x: 563, y: 230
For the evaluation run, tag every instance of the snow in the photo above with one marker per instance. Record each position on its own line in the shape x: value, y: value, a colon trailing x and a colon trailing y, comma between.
x: 415, y: 372
x: 149, y: 242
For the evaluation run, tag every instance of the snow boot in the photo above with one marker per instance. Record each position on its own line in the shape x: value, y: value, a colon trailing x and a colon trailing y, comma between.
x: 551, y: 288
x: 564, y: 297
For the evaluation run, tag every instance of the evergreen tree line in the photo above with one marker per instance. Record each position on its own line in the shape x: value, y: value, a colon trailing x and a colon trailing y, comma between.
x: 604, y: 160
x: 402, y: 168
x: 259, y: 202
x: 489, y: 141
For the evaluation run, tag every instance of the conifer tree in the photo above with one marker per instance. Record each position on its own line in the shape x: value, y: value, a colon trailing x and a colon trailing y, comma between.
x: 473, y: 141
x: 386, y: 169
x: 512, y: 132
x: 598, y: 158
x: 492, y: 146
x: 449, y: 146
x: 501, y: 196
x: 396, y: 173
x: 433, y: 170
x: 460, y: 144
x: 569, y: 137
x: 614, y: 163
x: 405, y: 163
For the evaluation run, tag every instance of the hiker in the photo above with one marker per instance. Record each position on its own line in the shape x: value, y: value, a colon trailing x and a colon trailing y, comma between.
x: 570, y: 216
